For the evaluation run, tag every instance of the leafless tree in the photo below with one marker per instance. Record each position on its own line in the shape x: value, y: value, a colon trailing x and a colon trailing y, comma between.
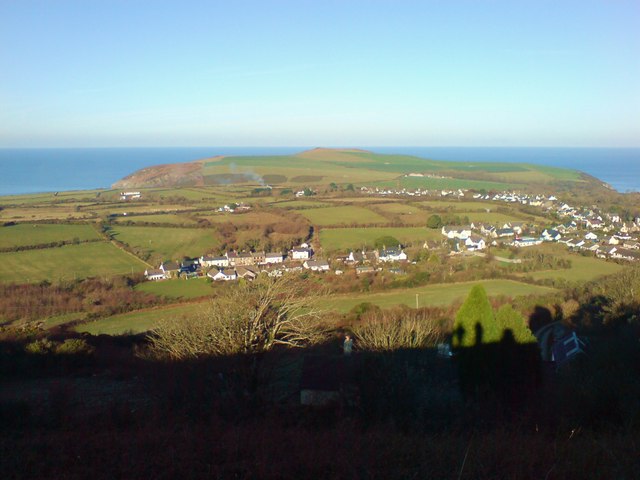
x: 246, y: 319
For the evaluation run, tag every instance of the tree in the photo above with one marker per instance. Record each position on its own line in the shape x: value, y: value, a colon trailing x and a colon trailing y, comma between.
x: 386, y: 241
x: 249, y: 318
x: 507, y: 318
x: 434, y: 221
x: 474, y: 322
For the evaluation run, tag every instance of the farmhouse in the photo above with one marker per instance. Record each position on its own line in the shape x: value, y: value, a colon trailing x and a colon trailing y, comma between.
x: 130, y: 195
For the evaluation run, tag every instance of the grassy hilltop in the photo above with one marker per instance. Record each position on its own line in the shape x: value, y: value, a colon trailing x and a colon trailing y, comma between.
x: 323, y: 166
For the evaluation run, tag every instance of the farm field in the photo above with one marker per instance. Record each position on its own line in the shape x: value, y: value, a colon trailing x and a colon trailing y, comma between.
x: 249, y: 218
x: 67, y: 262
x: 342, y: 215
x: 178, y: 288
x: 435, y: 295
x: 300, y: 204
x: 141, y: 208
x: 138, y: 321
x: 49, y: 198
x: 57, y: 211
x: 342, y: 239
x: 166, y: 242
x: 26, y: 234
x: 194, y: 194
x: 445, y: 184
x: 582, y: 269
x: 166, y: 218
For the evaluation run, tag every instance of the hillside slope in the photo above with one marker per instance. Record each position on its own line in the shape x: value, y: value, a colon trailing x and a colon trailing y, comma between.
x: 321, y: 166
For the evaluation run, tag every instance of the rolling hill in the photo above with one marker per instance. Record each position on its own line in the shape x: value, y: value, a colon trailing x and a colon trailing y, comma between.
x: 322, y: 166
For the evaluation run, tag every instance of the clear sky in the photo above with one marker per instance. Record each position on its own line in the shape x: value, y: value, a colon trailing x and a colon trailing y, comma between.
x: 322, y: 72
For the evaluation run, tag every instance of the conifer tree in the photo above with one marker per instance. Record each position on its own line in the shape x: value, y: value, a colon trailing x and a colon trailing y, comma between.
x: 475, y: 322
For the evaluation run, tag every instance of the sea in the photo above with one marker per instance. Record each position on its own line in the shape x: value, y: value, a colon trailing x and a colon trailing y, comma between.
x: 34, y: 170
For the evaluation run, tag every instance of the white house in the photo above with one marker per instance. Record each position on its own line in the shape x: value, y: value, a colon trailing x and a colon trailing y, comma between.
x: 223, y: 275
x: 209, y: 261
x: 591, y: 236
x: 316, y: 265
x: 456, y: 232
x: 474, y: 242
x: 526, y: 242
x: 551, y: 235
x: 301, y: 253
x: 130, y: 195
x: 392, y: 255
x: 273, y: 258
x: 155, y: 274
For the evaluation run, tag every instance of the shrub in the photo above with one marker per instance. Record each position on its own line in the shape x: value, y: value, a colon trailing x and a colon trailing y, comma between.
x: 74, y: 346
x: 42, y: 346
x: 507, y: 318
x: 395, y: 330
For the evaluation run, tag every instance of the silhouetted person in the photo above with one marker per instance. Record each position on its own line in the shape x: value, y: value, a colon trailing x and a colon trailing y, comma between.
x: 347, y: 345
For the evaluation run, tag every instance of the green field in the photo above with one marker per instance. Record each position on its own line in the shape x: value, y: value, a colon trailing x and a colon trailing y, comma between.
x: 139, y: 321
x: 179, y: 288
x: 299, y: 204
x: 346, y: 215
x: 38, y: 234
x: 166, y: 242
x: 342, y: 239
x: 582, y: 269
x: 434, y: 295
x: 68, y: 262
x: 162, y: 218
x: 445, y: 184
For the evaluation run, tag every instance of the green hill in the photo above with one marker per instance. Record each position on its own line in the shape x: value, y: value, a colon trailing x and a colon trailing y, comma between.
x: 322, y: 166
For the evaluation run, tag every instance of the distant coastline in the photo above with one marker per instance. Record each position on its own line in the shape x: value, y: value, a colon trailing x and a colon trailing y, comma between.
x: 58, y: 169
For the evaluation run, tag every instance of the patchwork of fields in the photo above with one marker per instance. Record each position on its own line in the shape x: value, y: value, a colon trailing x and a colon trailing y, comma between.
x: 171, y: 223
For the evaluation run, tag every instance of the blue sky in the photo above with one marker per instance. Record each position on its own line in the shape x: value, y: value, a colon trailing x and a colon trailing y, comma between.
x: 350, y: 73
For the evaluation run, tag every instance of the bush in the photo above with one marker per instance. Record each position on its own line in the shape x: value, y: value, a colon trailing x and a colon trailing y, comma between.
x: 395, y: 330
x: 74, y: 346
x: 42, y: 346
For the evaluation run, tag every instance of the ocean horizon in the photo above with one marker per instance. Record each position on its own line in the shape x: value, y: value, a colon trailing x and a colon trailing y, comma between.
x: 35, y: 170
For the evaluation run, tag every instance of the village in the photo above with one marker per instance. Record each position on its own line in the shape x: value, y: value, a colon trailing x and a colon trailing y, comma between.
x: 581, y: 229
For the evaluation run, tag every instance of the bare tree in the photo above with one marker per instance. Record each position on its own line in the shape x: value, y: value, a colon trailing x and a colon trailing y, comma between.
x: 396, y: 329
x: 246, y: 319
